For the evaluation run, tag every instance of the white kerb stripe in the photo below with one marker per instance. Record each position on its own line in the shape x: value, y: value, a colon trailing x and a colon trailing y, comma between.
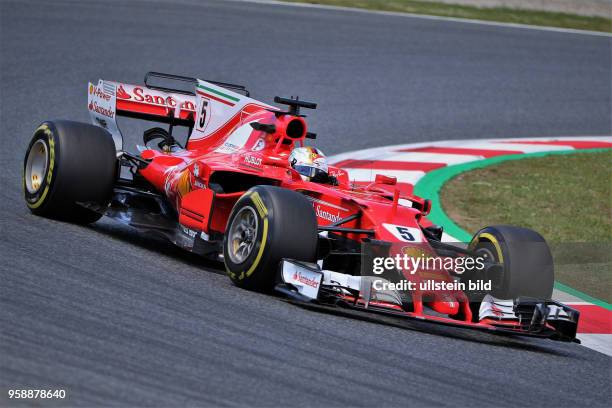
x: 598, y: 342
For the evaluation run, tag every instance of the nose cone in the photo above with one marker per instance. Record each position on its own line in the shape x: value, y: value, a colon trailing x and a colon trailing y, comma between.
x: 445, y: 304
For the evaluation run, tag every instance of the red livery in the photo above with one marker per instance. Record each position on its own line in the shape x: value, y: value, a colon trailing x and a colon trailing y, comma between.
x: 245, y: 189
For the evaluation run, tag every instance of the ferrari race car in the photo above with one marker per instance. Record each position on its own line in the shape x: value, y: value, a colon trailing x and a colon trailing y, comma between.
x: 245, y: 190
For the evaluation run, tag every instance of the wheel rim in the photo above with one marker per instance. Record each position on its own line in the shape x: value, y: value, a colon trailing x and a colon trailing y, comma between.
x: 488, y: 255
x: 242, y: 235
x: 36, y: 166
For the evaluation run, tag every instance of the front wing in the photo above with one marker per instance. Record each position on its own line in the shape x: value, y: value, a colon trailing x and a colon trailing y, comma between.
x: 308, y: 285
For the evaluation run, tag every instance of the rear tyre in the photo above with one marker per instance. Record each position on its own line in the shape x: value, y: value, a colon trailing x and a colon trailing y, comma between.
x: 67, y: 163
x: 266, y: 225
x: 527, y: 262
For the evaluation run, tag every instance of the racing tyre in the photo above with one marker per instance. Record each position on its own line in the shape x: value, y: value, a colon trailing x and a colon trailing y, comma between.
x: 67, y: 163
x: 266, y: 225
x: 527, y: 262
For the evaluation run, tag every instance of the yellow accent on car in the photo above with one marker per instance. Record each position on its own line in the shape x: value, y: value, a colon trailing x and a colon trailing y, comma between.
x: 51, y: 159
x: 183, y: 185
x: 42, y: 197
x: 262, y: 247
x: 43, y: 128
x: 261, y: 208
x: 495, y: 243
x: 263, y: 213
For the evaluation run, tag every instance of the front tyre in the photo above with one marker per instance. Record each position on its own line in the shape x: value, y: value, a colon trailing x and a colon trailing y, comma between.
x: 67, y: 163
x: 527, y: 262
x: 266, y: 225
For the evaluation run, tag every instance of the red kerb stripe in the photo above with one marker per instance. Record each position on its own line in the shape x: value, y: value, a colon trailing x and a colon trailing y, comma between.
x: 593, y: 319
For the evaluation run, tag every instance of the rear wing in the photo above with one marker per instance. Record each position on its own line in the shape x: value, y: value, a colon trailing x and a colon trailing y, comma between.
x: 159, y: 103
x: 153, y: 102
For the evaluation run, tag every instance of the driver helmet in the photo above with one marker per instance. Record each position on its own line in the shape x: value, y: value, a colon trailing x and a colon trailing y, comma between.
x: 310, y: 162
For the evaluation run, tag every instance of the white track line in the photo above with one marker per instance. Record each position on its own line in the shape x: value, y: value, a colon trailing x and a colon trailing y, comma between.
x: 429, y: 17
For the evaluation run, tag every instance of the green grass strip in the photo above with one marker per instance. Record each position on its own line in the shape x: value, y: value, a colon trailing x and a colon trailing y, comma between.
x: 430, y: 185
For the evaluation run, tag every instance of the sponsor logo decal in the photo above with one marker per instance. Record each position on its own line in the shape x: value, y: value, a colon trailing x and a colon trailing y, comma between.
x: 189, y: 232
x: 139, y: 94
x: 252, y: 161
x: 228, y: 147
x: 121, y: 94
x: 298, y: 277
x: 306, y: 281
x: 326, y: 214
x: 496, y: 311
x: 337, y: 173
x: 96, y: 91
x: 108, y: 112
x: 101, y: 103
x: 260, y: 145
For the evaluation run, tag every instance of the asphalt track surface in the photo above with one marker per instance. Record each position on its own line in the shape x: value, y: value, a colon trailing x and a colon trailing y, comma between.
x: 119, y: 318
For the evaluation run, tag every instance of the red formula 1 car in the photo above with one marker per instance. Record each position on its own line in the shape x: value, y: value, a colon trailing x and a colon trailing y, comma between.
x: 237, y: 192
